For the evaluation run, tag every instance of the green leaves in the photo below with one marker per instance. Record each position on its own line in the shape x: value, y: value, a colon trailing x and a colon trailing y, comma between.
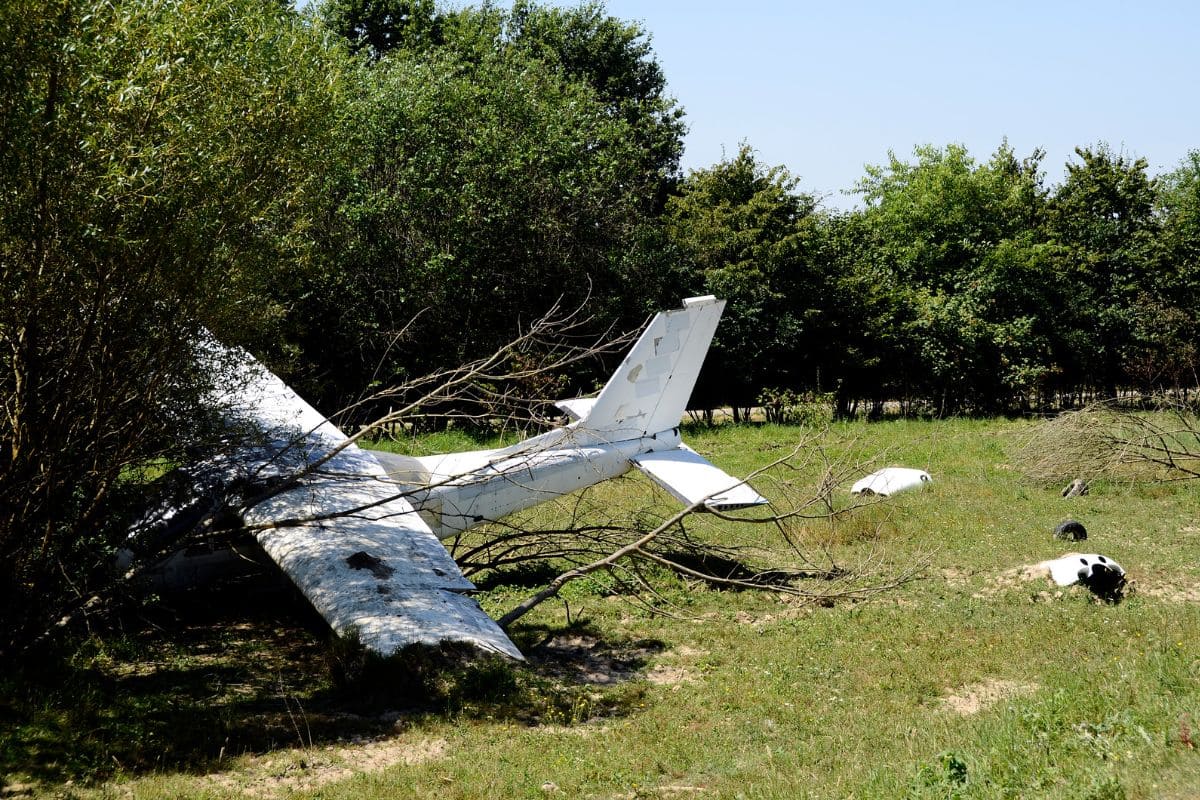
x: 160, y: 172
x: 742, y: 229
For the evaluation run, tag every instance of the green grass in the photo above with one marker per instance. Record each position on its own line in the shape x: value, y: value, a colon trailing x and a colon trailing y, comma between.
x: 733, y: 694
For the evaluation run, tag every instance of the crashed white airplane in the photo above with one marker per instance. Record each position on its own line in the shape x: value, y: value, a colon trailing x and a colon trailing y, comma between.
x: 359, y: 532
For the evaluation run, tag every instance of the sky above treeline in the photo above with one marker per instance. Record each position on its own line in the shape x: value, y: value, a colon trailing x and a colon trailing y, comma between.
x: 825, y: 88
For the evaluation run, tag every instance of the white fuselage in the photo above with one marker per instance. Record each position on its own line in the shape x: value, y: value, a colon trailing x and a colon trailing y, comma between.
x: 462, y: 490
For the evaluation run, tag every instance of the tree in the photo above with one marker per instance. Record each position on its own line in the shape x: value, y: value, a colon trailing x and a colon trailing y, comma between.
x: 934, y: 219
x: 511, y: 160
x: 1179, y: 203
x: 381, y: 26
x: 614, y: 57
x: 1169, y: 334
x: 484, y: 191
x: 582, y: 44
x: 742, y: 228
x: 956, y: 241
x: 863, y: 339
x: 156, y: 178
x: 1103, y: 216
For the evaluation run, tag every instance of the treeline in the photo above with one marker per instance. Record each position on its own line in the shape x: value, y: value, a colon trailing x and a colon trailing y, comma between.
x: 960, y: 287
x: 372, y: 189
x: 502, y: 159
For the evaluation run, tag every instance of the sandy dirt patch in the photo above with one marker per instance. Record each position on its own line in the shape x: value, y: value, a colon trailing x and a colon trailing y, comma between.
x: 1172, y: 593
x: 668, y: 675
x: 279, y: 775
x: 1015, y: 578
x: 1026, y: 576
x: 673, y: 673
x: 976, y: 697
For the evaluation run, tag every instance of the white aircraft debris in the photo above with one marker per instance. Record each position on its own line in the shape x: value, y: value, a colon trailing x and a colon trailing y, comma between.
x: 353, y: 546
x: 890, y: 480
x: 634, y: 421
x: 1091, y: 569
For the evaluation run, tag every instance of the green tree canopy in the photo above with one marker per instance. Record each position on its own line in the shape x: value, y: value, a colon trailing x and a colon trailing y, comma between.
x: 742, y: 229
x: 1103, y: 216
x: 934, y: 219
x: 949, y: 236
x: 381, y: 26
x: 159, y: 165
x: 481, y: 192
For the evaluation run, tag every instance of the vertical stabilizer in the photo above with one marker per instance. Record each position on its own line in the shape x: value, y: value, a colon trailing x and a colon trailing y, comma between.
x: 649, y: 391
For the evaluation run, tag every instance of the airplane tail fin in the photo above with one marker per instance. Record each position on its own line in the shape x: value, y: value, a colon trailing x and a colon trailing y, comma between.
x: 648, y: 395
x: 649, y: 391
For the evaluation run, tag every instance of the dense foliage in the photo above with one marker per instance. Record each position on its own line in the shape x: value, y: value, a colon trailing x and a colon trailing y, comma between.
x: 377, y: 188
x: 155, y: 173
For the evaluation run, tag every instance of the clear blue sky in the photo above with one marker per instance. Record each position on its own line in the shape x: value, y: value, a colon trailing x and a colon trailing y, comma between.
x: 826, y: 87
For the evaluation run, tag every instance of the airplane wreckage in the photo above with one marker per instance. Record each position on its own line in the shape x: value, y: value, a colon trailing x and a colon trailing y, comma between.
x: 358, y: 532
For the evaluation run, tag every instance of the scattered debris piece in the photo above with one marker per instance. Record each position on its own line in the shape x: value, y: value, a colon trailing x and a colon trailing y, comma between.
x: 1103, y: 576
x: 1070, y: 531
x: 1076, y: 488
x: 890, y: 480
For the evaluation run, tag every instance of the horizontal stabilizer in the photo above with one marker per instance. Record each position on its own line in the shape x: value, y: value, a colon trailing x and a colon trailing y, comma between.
x: 691, y: 479
x: 576, y: 408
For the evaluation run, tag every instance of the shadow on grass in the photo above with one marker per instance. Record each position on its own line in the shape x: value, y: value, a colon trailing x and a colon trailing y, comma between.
x: 526, y: 576
x: 216, y: 675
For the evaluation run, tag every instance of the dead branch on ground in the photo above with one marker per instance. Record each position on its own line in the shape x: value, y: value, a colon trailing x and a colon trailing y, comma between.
x: 794, y: 548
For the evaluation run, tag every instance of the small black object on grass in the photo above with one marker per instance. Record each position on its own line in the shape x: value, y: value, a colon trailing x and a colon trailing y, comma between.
x: 1105, y: 580
x: 1070, y: 531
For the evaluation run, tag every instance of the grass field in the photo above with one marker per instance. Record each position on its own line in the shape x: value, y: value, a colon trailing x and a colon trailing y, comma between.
x: 974, y: 681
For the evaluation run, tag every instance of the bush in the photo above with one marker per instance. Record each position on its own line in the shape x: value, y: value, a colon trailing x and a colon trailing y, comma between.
x: 160, y: 162
x: 788, y: 407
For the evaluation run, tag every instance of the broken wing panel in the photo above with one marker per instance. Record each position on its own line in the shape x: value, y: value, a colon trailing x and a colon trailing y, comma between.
x: 576, y: 408
x: 691, y: 478
x: 354, y: 547
x: 890, y: 480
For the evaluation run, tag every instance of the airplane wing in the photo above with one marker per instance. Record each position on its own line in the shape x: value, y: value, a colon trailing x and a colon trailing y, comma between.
x: 361, y: 555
